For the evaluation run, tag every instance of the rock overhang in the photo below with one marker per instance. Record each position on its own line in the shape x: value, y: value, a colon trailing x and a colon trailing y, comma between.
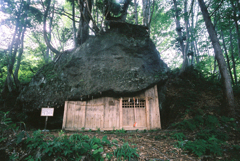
x: 111, y: 64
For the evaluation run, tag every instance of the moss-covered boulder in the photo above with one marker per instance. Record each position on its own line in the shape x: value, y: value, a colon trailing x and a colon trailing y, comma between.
x: 112, y: 64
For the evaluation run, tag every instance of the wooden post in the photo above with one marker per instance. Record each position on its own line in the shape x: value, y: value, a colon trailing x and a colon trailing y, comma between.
x: 157, y: 115
x: 65, y: 115
x: 84, y: 114
x: 120, y: 113
x: 45, y: 127
x: 135, y: 121
x: 147, y: 113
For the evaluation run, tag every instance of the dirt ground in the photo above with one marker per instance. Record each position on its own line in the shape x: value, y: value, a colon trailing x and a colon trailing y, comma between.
x: 152, y: 145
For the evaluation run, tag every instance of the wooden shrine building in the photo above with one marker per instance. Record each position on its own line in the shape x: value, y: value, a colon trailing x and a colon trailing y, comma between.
x: 108, y: 113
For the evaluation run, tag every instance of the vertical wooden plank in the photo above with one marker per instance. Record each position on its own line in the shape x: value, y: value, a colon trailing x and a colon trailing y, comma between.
x: 75, y: 116
x: 118, y: 111
x: 135, y: 119
x: 84, y: 114
x: 157, y: 115
x: 65, y: 115
x: 69, y: 115
x: 102, y: 114
x: 147, y: 112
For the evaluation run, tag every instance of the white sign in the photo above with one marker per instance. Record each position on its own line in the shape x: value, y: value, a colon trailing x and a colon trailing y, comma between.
x: 47, y: 111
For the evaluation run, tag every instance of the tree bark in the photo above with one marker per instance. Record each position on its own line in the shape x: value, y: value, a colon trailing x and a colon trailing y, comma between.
x: 186, y: 22
x: 144, y: 6
x: 46, y: 57
x: 49, y: 45
x: 232, y: 57
x: 226, y: 54
x: 85, y: 11
x: 228, y: 92
x: 136, y: 12
x: 20, y: 52
x: 74, y: 25
x: 234, y: 7
x: 178, y: 27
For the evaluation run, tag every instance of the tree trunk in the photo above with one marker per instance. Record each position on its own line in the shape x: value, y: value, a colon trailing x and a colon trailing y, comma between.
x: 50, y: 35
x: 178, y: 27
x: 8, y: 85
x: 136, y: 12
x: 144, y: 6
x: 228, y: 92
x: 235, y: 18
x: 20, y: 52
x: 49, y: 45
x: 186, y: 22
x: 192, y: 41
x: 83, y: 30
x: 197, y: 52
x: 124, y: 10
x: 226, y: 54
x: 74, y: 26
x: 232, y: 56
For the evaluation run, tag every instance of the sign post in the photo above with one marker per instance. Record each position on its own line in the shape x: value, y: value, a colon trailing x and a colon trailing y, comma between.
x: 47, y: 112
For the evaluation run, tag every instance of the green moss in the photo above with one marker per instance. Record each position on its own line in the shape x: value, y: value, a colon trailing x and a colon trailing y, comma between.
x: 49, y: 72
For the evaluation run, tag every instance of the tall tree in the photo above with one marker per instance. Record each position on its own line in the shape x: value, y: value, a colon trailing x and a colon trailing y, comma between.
x: 235, y: 8
x: 85, y: 7
x: 178, y: 26
x: 185, y: 53
x: 135, y: 11
x: 228, y: 92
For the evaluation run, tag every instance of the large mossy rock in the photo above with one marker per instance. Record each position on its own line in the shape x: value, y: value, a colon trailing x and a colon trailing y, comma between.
x: 111, y: 64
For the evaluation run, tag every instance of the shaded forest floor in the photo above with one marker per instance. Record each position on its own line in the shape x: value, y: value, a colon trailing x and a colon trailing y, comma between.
x: 156, y: 145
x: 194, y: 121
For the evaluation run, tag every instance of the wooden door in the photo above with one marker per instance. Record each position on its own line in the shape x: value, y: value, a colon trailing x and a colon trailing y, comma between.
x: 74, y: 115
x: 134, y: 114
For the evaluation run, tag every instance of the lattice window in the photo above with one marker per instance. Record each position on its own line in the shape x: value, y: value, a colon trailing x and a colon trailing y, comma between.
x: 129, y: 103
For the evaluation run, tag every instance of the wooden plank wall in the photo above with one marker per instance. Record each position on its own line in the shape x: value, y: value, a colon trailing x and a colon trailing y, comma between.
x: 154, y: 113
x: 94, y: 114
x: 107, y: 114
x: 111, y: 113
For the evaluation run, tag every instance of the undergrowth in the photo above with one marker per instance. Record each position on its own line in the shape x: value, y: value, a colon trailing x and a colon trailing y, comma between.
x: 194, y: 105
x: 211, y: 134
x: 40, y: 146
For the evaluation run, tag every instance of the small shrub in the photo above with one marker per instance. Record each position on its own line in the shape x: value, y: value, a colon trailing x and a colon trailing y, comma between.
x: 179, y: 136
x: 212, y: 121
x: 201, y: 147
x: 208, y: 133
x: 126, y: 152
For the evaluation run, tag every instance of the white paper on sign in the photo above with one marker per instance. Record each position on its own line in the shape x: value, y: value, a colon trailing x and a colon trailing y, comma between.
x: 47, y: 111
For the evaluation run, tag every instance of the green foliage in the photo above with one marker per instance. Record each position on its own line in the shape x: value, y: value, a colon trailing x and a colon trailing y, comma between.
x: 74, y: 147
x: 179, y: 136
x: 202, y: 147
x: 6, y: 125
x: 209, y: 121
x: 117, y: 131
x: 208, y: 133
x: 210, y: 136
x: 125, y: 152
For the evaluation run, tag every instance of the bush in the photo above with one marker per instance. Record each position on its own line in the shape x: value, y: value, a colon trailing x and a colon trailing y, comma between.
x: 201, y: 147
x: 125, y: 152
x: 72, y: 148
x: 179, y: 136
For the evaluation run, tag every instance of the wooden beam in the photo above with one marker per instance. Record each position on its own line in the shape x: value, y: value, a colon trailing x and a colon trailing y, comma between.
x: 157, y: 106
x: 120, y: 114
x: 84, y: 114
x: 147, y: 113
x: 65, y: 115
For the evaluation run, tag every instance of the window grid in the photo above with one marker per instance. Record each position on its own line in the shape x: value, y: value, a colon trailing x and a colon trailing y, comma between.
x: 130, y: 103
